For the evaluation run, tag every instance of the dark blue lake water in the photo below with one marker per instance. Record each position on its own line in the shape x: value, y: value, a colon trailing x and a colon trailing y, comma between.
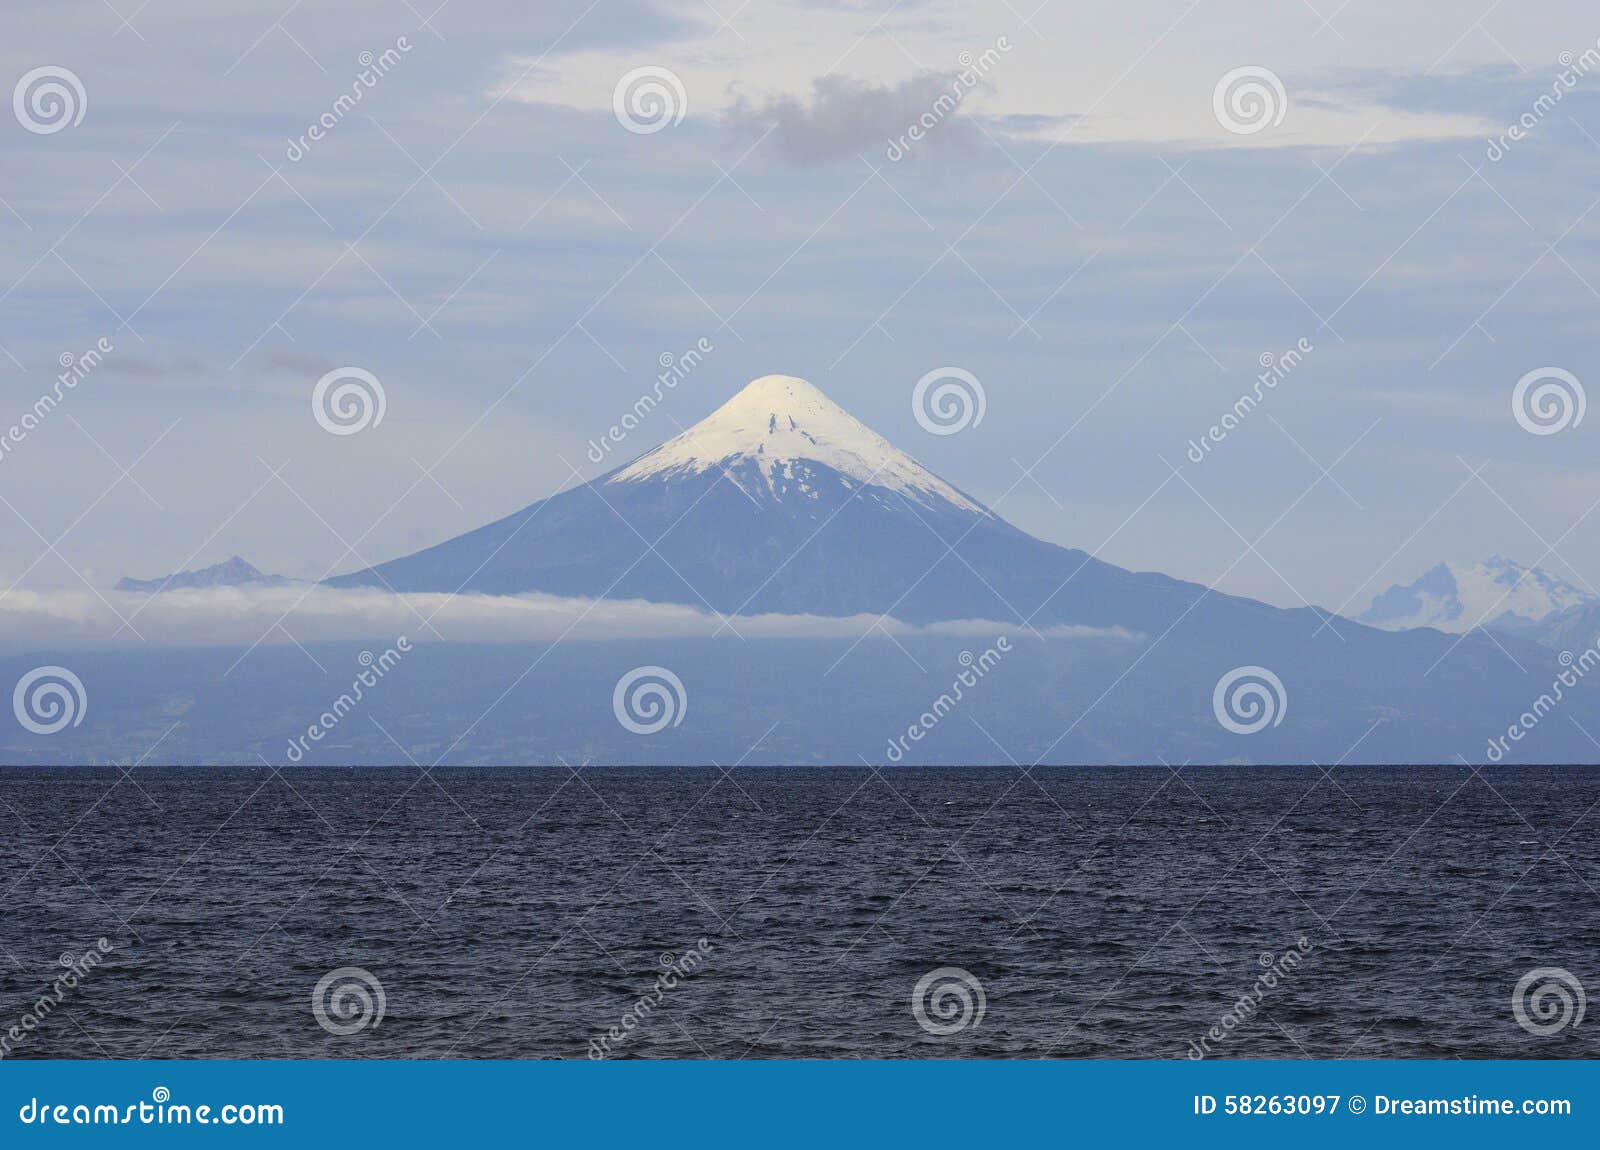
x: 527, y: 913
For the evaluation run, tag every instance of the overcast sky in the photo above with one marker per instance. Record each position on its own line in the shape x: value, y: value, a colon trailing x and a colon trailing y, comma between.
x: 1081, y: 231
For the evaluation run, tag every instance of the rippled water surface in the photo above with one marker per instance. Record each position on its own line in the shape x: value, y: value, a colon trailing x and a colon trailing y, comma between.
x: 523, y: 913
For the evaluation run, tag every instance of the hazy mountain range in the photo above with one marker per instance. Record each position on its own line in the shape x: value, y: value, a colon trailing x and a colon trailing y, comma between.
x: 781, y: 503
x: 231, y: 572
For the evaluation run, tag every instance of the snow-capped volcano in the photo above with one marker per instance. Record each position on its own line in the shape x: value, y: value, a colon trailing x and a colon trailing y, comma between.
x: 777, y: 428
x: 1497, y: 593
x: 779, y: 501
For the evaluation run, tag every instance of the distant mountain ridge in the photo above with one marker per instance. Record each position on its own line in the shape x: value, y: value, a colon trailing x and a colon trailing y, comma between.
x: 1571, y: 630
x: 1498, y: 594
x: 231, y: 572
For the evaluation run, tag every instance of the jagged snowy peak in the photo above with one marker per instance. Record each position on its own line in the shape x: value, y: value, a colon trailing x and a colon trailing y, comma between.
x: 1498, y: 592
x: 773, y: 430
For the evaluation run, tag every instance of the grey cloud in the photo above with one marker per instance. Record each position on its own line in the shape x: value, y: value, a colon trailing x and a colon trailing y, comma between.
x: 845, y: 117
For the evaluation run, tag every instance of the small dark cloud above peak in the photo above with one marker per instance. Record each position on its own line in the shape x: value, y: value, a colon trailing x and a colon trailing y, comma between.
x: 844, y: 117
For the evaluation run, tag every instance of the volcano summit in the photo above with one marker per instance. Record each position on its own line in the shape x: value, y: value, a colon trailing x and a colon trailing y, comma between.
x: 780, y: 501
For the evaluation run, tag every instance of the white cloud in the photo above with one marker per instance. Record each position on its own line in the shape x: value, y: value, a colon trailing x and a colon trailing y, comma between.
x: 241, y: 616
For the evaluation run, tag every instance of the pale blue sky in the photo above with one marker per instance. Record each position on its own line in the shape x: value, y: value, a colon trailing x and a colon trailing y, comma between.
x: 1086, y: 188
